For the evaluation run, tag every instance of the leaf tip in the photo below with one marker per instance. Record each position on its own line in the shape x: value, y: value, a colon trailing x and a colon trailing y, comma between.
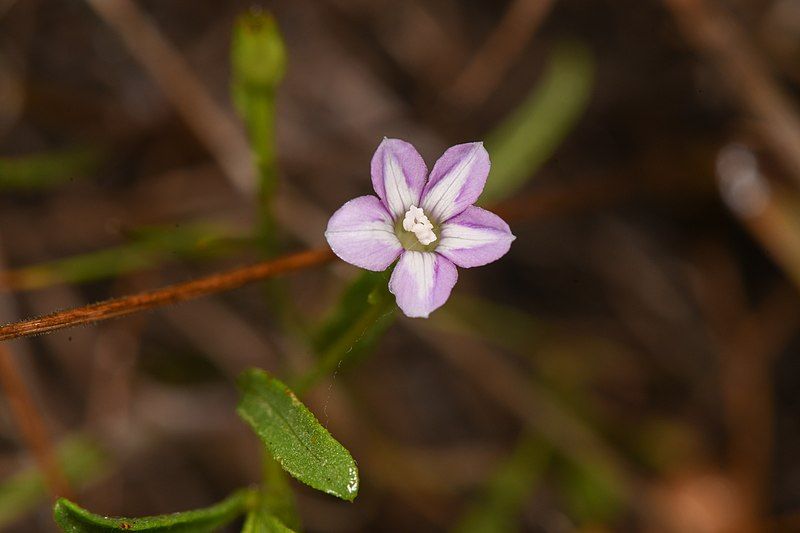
x: 352, y: 484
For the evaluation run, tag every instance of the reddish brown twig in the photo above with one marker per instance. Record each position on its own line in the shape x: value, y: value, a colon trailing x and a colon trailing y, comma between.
x: 31, y: 424
x: 168, y: 295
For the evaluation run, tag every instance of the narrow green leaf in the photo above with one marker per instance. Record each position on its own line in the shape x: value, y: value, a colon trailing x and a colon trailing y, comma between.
x: 501, y: 502
x: 45, y: 170
x: 525, y: 140
x: 294, y: 437
x: 83, y: 462
x: 150, y: 247
x: 73, y: 519
x: 260, y: 521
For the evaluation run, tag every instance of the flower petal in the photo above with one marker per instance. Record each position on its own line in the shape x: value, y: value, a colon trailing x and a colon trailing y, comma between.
x: 422, y: 282
x: 456, y: 181
x: 398, y: 175
x: 361, y: 232
x: 475, y: 237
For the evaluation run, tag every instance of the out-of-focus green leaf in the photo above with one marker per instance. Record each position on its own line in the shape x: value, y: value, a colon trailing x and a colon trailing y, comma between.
x: 364, y: 313
x: 504, y: 325
x: 73, y: 519
x: 294, y: 437
x: 523, y: 142
x: 261, y: 521
x: 82, y: 461
x: 41, y: 171
x: 501, y: 503
x: 591, y: 491
x: 258, y: 60
x: 151, y: 247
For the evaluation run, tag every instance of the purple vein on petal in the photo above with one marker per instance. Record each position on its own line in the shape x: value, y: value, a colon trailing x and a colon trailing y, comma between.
x: 456, y: 181
x: 398, y: 175
x: 475, y: 237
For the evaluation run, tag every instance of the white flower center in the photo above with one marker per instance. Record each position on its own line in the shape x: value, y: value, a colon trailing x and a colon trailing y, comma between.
x: 417, y: 223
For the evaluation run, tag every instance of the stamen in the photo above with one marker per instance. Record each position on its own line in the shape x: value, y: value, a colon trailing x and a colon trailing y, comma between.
x: 416, y: 222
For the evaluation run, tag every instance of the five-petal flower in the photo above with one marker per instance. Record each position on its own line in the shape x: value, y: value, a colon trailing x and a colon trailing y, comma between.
x: 429, y: 222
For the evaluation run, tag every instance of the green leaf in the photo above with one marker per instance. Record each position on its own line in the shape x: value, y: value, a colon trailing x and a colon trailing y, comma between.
x: 294, y: 437
x: 45, y: 170
x: 82, y: 461
x: 501, y: 502
x: 73, y: 519
x: 525, y: 140
x: 260, y: 521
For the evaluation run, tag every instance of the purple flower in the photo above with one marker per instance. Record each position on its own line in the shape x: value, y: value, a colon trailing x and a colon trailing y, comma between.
x: 429, y: 222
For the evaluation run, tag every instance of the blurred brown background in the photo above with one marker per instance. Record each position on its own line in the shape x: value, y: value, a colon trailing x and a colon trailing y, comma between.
x: 631, y: 365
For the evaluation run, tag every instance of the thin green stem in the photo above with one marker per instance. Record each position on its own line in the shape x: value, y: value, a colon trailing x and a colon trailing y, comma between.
x: 333, y: 356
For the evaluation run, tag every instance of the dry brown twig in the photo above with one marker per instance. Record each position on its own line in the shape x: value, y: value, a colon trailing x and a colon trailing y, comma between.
x: 216, y: 130
x: 764, y: 208
x: 717, y: 35
x: 26, y: 412
x: 180, y: 292
x: 31, y: 424
x: 506, y: 41
x: 747, y: 363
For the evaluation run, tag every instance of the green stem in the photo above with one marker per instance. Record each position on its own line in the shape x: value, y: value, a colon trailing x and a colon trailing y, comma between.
x: 331, y: 358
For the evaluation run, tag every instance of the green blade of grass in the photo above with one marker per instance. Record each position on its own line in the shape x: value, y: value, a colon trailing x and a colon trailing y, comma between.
x: 525, y: 140
x: 151, y: 247
x: 43, y: 171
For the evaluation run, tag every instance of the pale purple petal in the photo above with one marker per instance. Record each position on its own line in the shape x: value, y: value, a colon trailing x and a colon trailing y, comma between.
x: 361, y: 232
x: 475, y: 237
x: 456, y: 181
x: 398, y: 175
x: 422, y: 282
